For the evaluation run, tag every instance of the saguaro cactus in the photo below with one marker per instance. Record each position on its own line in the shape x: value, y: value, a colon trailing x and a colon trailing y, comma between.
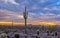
x: 25, y: 15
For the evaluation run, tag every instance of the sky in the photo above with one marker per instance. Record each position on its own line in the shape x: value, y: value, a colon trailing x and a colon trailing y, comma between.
x: 38, y: 10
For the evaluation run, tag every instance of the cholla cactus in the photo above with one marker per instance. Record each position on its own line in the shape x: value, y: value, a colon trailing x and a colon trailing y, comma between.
x: 3, y: 35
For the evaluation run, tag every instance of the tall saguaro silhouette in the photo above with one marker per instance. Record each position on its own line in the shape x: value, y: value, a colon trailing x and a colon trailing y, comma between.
x: 25, y: 15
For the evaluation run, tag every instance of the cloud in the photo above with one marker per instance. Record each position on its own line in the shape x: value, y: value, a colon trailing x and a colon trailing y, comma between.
x: 52, y: 8
x: 8, y: 15
x: 36, y: 9
x: 43, y: 1
x: 44, y: 17
x: 10, y: 1
x: 48, y: 13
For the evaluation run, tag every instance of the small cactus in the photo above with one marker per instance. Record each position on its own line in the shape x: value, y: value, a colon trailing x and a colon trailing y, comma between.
x: 3, y: 35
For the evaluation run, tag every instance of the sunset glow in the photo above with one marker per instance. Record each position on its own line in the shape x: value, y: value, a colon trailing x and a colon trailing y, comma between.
x: 33, y: 23
x: 48, y: 23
